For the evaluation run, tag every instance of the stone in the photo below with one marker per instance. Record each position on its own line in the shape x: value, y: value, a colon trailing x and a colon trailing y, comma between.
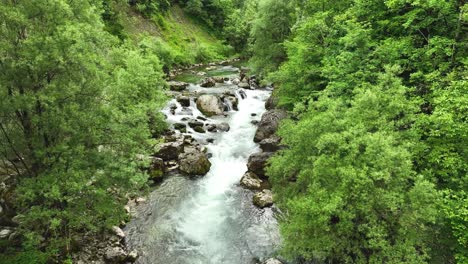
x: 210, y: 105
x: 224, y: 127
x: 218, y: 79
x: 251, y: 181
x: 211, y: 128
x: 242, y: 94
x: 140, y: 200
x: 169, y: 151
x: 271, y: 144
x: 118, y: 232
x: 195, y: 123
x: 271, y: 103
x: 199, y: 129
x: 184, y: 100
x: 132, y: 256
x: 257, y: 163
x: 181, y: 127
x: 115, y: 255
x: 194, y: 162
x: 272, y: 261
x: 269, y: 124
x: 177, y: 86
x: 208, y: 82
x: 157, y: 169
x: 5, y: 233
x: 263, y: 199
x: 244, y: 85
x: 234, y: 101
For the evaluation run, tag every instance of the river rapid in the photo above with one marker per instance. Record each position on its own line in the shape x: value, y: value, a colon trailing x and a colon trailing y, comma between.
x: 211, y: 219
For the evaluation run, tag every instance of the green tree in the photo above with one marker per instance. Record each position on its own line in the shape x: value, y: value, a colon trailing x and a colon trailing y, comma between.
x: 270, y: 28
x: 74, y: 116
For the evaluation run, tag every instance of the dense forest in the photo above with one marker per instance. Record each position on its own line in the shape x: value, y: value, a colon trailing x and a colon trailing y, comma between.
x: 375, y: 157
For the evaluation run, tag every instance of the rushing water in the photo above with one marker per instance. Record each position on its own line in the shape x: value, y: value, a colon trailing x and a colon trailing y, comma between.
x: 210, y: 220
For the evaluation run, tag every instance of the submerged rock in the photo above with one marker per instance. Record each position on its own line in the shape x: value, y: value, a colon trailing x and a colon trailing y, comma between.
x: 257, y: 163
x: 263, y: 199
x: 269, y: 124
x: 194, y: 162
x: 210, y: 105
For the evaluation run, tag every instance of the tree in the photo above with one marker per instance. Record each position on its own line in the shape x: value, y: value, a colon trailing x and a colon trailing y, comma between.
x: 73, y: 119
x: 271, y: 27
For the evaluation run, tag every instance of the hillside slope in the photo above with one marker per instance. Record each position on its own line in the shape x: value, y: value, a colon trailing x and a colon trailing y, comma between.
x: 175, y: 36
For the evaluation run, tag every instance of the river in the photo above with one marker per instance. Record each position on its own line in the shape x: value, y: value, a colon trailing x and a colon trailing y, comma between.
x: 211, y: 219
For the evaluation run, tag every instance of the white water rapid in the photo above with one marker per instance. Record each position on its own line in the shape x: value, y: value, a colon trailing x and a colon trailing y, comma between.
x: 209, y: 220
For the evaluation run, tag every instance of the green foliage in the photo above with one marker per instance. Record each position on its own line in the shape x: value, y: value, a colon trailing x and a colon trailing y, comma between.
x: 269, y: 29
x: 376, y: 165
x: 82, y: 104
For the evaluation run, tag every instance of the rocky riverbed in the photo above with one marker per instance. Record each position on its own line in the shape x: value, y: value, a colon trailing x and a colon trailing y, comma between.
x: 213, y: 202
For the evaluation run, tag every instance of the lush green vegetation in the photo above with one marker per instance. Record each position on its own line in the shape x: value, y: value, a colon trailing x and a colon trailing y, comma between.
x: 81, y: 84
x: 376, y: 165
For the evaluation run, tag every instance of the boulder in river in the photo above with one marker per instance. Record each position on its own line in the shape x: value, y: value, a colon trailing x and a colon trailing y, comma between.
x: 199, y: 129
x: 257, y: 163
x: 218, y: 79
x: 224, y: 127
x: 194, y: 162
x: 251, y: 181
x: 195, y: 123
x: 177, y: 86
x: 181, y: 127
x: 263, y: 199
x: 271, y: 144
x: 184, y: 100
x: 210, y: 105
x: 244, y: 85
x: 269, y: 124
x: 208, y: 82
x: 169, y: 151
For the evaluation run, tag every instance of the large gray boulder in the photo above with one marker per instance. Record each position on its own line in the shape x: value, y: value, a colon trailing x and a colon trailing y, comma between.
x: 210, y: 105
x: 169, y: 151
x: 263, y: 199
x: 251, y: 181
x: 194, y: 162
x: 257, y: 163
x: 271, y: 144
x: 269, y: 124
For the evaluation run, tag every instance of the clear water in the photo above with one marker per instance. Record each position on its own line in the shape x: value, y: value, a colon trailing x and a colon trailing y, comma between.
x: 210, y: 220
